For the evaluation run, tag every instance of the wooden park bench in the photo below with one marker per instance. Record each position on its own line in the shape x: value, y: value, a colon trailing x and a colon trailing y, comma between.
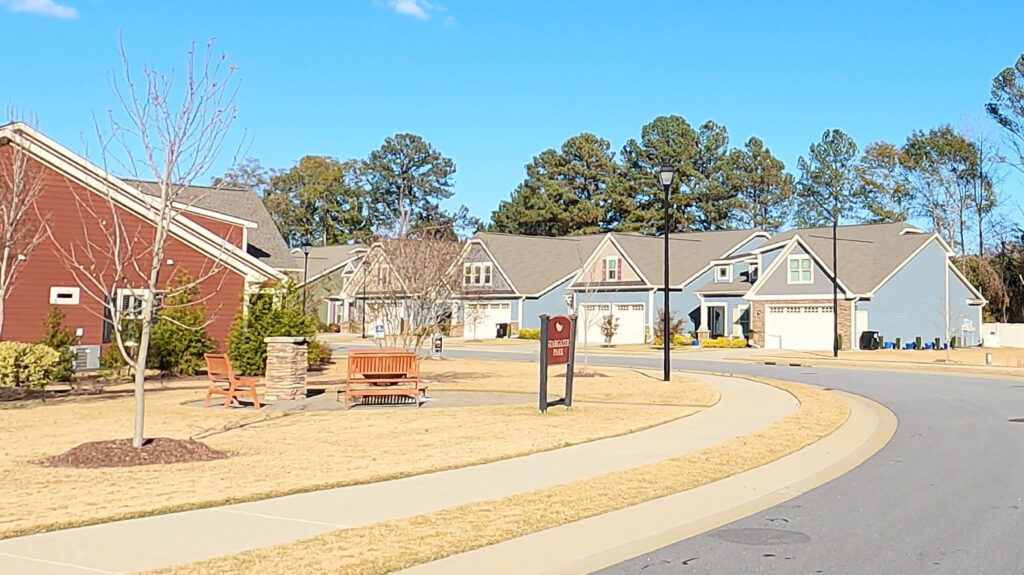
x: 382, y: 373
x: 218, y: 369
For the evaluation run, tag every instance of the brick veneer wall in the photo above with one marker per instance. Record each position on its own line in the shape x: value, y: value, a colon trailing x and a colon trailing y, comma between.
x: 845, y: 320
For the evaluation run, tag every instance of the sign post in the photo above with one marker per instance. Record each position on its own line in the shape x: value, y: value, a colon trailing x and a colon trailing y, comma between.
x: 557, y: 347
x: 438, y: 346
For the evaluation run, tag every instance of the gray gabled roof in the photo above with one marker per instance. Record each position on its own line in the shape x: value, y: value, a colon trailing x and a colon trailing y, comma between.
x: 535, y: 263
x: 867, y: 253
x: 265, y: 241
x: 689, y: 253
x: 326, y: 258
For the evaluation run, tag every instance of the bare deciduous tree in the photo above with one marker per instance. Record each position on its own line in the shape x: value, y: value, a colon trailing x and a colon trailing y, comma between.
x: 412, y: 286
x: 21, y: 183
x: 171, y: 134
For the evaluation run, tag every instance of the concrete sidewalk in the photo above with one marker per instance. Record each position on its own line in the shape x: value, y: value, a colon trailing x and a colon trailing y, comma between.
x: 146, y: 543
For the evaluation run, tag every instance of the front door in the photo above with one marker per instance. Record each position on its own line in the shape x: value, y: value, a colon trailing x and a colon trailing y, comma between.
x: 716, y: 321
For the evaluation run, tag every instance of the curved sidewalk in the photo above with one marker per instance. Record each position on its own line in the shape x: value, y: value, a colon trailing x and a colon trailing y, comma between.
x: 163, y: 540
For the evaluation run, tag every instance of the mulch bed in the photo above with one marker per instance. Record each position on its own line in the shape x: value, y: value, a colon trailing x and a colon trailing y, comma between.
x: 120, y: 453
x: 8, y: 394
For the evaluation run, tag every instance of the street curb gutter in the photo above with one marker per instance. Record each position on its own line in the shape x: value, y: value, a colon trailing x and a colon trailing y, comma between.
x: 597, y: 542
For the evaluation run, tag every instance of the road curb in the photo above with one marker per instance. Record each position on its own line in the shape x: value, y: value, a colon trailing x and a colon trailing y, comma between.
x: 597, y: 542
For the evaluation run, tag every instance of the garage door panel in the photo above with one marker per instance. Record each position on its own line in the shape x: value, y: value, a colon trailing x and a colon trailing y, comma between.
x: 798, y: 327
x: 482, y: 318
x: 631, y: 318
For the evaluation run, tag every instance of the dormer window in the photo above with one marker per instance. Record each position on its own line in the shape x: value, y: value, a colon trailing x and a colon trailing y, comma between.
x: 476, y: 274
x: 752, y: 270
x: 723, y: 274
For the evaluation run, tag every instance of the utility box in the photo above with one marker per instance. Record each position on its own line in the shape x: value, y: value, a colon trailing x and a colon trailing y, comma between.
x: 87, y: 357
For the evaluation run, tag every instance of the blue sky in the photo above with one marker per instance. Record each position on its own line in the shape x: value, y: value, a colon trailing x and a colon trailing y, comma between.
x: 492, y: 84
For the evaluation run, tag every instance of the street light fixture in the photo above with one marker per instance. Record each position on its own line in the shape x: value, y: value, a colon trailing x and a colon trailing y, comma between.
x: 665, y: 175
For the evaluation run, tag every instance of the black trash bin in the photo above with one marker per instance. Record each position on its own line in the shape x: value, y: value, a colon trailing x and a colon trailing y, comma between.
x: 502, y: 331
x: 869, y: 340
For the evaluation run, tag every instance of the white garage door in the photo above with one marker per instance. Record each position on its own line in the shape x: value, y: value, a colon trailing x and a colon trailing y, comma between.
x: 631, y: 322
x: 482, y: 318
x: 805, y: 327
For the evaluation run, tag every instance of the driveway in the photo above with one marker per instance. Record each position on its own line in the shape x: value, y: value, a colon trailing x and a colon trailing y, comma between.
x: 945, y: 496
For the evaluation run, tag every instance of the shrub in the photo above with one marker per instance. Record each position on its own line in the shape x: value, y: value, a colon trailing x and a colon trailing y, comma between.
x: 319, y: 353
x: 681, y: 339
x: 675, y: 326
x: 529, y: 334
x: 60, y: 338
x: 725, y: 342
x: 678, y: 339
x: 609, y: 326
x: 179, y: 340
x: 334, y: 328
x: 27, y: 364
x: 269, y: 313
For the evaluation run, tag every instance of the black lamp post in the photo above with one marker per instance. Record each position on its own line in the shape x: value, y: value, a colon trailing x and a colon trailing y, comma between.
x: 665, y: 175
x: 306, y: 248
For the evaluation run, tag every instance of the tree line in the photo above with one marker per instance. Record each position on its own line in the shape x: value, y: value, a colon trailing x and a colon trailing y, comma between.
x: 947, y: 177
x: 396, y: 191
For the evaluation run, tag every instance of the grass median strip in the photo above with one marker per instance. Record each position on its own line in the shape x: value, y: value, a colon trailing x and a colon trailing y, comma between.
x: 273, y: 453
x: 394, y: 545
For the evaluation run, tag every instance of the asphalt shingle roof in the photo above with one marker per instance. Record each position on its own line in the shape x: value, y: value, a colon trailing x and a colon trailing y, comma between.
x: 533, y: 263
x: 322, y: 258
x: 265, y: 241
x: 689, y: 253
x: 867, y: 253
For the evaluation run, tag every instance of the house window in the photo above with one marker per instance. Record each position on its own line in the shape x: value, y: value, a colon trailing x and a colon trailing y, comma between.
x: 800, y: 271
x: 129, y: 302
x: 723, y: 273
x: 611, y: 269
x: 64, y: 295
x: 477, y: 274
x: 752, y: 273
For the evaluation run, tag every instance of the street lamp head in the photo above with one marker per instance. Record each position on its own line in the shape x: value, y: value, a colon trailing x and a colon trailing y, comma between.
x: 306, y: 248
x: 666, y: 174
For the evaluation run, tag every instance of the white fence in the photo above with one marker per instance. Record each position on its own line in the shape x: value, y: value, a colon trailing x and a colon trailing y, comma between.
x: 1002, y: 334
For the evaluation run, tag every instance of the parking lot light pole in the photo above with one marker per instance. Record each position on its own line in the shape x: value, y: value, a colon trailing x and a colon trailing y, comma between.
x: 306, y: 248
x: 666, y: 174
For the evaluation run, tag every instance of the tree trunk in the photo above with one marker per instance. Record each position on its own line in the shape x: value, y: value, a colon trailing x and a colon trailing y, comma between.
x: 138, y: 436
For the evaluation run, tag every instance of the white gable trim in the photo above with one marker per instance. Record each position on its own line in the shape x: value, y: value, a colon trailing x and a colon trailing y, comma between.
x: 97, y: 181
x: 353, y: 256
x: 959, y: 274
x: 461, y: 260
x: 190, y: 209
x: 752, y: 293
x: 554, y: 285
x: 724, y: 255
x: 592, y: 260
x: 903, y: 264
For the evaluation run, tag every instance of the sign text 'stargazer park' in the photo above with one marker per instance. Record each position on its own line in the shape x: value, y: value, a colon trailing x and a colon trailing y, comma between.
x: 557, y: 347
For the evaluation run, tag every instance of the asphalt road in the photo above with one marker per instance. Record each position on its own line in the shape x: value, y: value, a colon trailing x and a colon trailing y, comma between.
x: 946, y: 495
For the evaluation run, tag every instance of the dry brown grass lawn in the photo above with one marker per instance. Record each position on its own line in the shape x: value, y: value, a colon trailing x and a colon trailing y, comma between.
x: 620, y: 385
x: 275, y: 453
x: 395, y: 545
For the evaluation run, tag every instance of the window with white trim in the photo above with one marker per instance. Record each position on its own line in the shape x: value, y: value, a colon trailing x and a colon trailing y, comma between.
x: 129, y: 302
x: 611, y: 269
x: 723, y: 274
x: 65, y: 295
x: 477, y: 274
x: 800, y: 270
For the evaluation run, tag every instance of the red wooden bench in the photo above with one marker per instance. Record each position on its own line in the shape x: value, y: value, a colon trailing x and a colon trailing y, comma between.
x: 218, y: 369
x: 383, y: 372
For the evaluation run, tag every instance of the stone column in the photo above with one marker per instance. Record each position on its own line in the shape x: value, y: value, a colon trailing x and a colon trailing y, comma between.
x: 286, y: 368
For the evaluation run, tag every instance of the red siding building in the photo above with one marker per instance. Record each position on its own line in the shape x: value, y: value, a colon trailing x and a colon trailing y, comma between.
x: 76, y: 204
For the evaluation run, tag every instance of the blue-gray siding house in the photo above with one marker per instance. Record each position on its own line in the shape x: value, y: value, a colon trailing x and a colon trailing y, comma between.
x: 893, y: 279
x: 624, y: 278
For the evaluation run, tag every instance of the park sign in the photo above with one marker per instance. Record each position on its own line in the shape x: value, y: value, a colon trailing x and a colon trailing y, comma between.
x: 557, y: 347
x: 558, y: 340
